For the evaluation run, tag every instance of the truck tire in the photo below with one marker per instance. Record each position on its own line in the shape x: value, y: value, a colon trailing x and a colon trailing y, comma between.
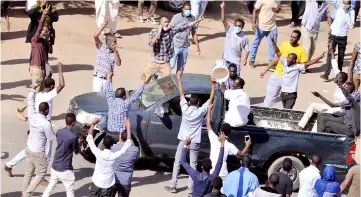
x: 276, y: 166
x: 173, y: 5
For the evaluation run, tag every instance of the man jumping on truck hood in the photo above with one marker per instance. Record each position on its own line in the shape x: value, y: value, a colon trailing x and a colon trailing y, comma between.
x: 191, y: 126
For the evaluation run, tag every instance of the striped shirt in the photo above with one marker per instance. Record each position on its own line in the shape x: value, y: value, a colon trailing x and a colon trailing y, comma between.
x: 105, y: 60
x: 118, y: 108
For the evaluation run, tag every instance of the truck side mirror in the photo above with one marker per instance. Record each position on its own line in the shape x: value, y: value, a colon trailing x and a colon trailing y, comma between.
x: 159, y: 111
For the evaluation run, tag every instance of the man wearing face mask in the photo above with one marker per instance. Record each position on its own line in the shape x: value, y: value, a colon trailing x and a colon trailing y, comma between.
x: 180, y: 40
x: 338, y: 34
x: 106, y: 56
x: 274, y: 82
x: 235, y: 41
x: 37, y: 61
x: 161, y: 40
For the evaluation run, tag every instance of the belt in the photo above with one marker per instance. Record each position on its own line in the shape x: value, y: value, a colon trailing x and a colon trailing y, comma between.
x: 95, y: 75
x: 288, y: 93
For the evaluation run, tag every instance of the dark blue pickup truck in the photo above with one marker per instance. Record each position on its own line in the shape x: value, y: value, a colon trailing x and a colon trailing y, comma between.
x: 156, y: 117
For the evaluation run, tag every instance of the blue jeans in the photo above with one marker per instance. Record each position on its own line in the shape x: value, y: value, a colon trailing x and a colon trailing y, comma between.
x: 227, y: 63
x: 180, y: 58
x: 198, y: 8
x: 258, y: 38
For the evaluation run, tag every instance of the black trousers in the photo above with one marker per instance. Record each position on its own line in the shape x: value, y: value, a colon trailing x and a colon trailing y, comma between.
x: 341, y: 43
x: 288, y: 99
x: 331, y: 123
x: 250, y: 5
x: 101, y: 192
x: 122, y: 190
x: 297, y: 8
x: 357, y: 9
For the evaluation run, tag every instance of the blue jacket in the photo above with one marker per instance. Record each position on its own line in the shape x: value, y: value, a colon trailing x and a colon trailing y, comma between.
x: 327, y: 185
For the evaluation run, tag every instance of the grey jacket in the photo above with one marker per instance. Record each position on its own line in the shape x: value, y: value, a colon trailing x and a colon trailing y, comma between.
x: 261, y: 193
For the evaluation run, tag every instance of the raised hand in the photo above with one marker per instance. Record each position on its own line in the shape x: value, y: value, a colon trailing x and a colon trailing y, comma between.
x: 316, y: 94
x: 144, y: 78
x: 223, y: 4
x: 248, y: 142
x: 47, y: 10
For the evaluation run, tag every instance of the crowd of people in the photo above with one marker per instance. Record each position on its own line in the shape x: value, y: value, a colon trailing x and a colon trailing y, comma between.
x: 116, y: 154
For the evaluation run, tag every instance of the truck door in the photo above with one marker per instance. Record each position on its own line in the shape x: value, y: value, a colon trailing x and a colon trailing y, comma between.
x: 163, y: 131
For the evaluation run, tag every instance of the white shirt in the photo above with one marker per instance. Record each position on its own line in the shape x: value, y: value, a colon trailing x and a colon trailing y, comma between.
x: 338, y: 95
x: 229, y: 149
x: 238, y: 109
x: 308, y: 178
x: 46, y: 97
x: 41, y: 132
x: 192, y: 120
x: 343, y: 21
x: 104, y: 170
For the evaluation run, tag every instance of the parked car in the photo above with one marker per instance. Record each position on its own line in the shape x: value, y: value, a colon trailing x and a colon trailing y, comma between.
x: 156, y: 118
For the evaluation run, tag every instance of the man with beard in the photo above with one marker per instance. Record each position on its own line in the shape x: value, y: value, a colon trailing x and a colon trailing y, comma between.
x: 232, y: 69
x: 235, y: 41
x: 274, y: 82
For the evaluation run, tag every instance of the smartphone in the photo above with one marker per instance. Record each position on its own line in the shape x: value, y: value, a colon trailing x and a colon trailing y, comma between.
x: 246, y: 138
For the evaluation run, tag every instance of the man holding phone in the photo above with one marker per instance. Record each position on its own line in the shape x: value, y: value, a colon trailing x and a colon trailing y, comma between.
x: 229, y: 148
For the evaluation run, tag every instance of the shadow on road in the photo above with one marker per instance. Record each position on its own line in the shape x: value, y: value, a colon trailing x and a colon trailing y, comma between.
x: 13, y: 35
x: 15, y: 97
x: 21, y: 61
x: 9, y: 85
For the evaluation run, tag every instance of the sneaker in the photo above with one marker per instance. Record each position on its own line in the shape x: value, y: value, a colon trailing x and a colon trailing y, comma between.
x: 292, y: 24
x: 251, y: 64
x: 141, y: 19
x: 189, y: 194
x: 324, y: 77
x: 21, y: 115
x: 151, y: 20
x: 170, y: 189
x: 8, y: 170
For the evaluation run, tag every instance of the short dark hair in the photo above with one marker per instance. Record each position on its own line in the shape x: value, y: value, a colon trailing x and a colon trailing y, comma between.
x: 207, y: 164
x: 43, y: 107
x: 226, y: 129
x: 352, y: 85
x: 239, y: 82
x: 240, y: 20
x: 274, y: 179
x: 108, y: 142
x: 246, y: 161
x: 193, y: 100
x: 120, y: 93
x: 287, y: 164
x: 316, y: 159
x: 187, y: 3
x: 70, y: 118
x: 124, y: 136
x: 49, y: 82
x: 217, y: 183
x: 343, y: 76
x: 294, y: 55
x: 298, y: 33
x: 232, y: 66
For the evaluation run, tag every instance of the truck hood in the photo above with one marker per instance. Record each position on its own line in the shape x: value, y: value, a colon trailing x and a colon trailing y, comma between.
x: 95, y: 102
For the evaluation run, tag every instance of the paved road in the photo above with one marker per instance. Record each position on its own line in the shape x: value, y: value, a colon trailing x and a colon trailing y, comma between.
x: 74, y: 47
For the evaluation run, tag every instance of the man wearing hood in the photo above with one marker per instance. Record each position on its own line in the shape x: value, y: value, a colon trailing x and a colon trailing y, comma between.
x: 327, y: 185
x: 235, y: 42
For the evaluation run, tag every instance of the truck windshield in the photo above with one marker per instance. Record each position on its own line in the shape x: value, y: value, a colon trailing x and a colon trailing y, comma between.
x: 157, y: 90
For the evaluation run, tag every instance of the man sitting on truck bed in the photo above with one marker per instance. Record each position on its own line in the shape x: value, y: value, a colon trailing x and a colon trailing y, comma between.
x: 341, y: 123
x: 239, y: 104
x: 340, y: 80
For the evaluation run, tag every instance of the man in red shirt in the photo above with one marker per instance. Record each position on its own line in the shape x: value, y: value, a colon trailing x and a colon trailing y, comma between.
x: 38, y: 59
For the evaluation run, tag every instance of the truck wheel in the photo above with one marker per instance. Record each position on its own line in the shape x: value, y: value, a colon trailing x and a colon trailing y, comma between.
x: 276, y: 166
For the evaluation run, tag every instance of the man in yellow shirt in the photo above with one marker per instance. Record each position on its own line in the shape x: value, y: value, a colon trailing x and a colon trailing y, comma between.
x: 274, y: 82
